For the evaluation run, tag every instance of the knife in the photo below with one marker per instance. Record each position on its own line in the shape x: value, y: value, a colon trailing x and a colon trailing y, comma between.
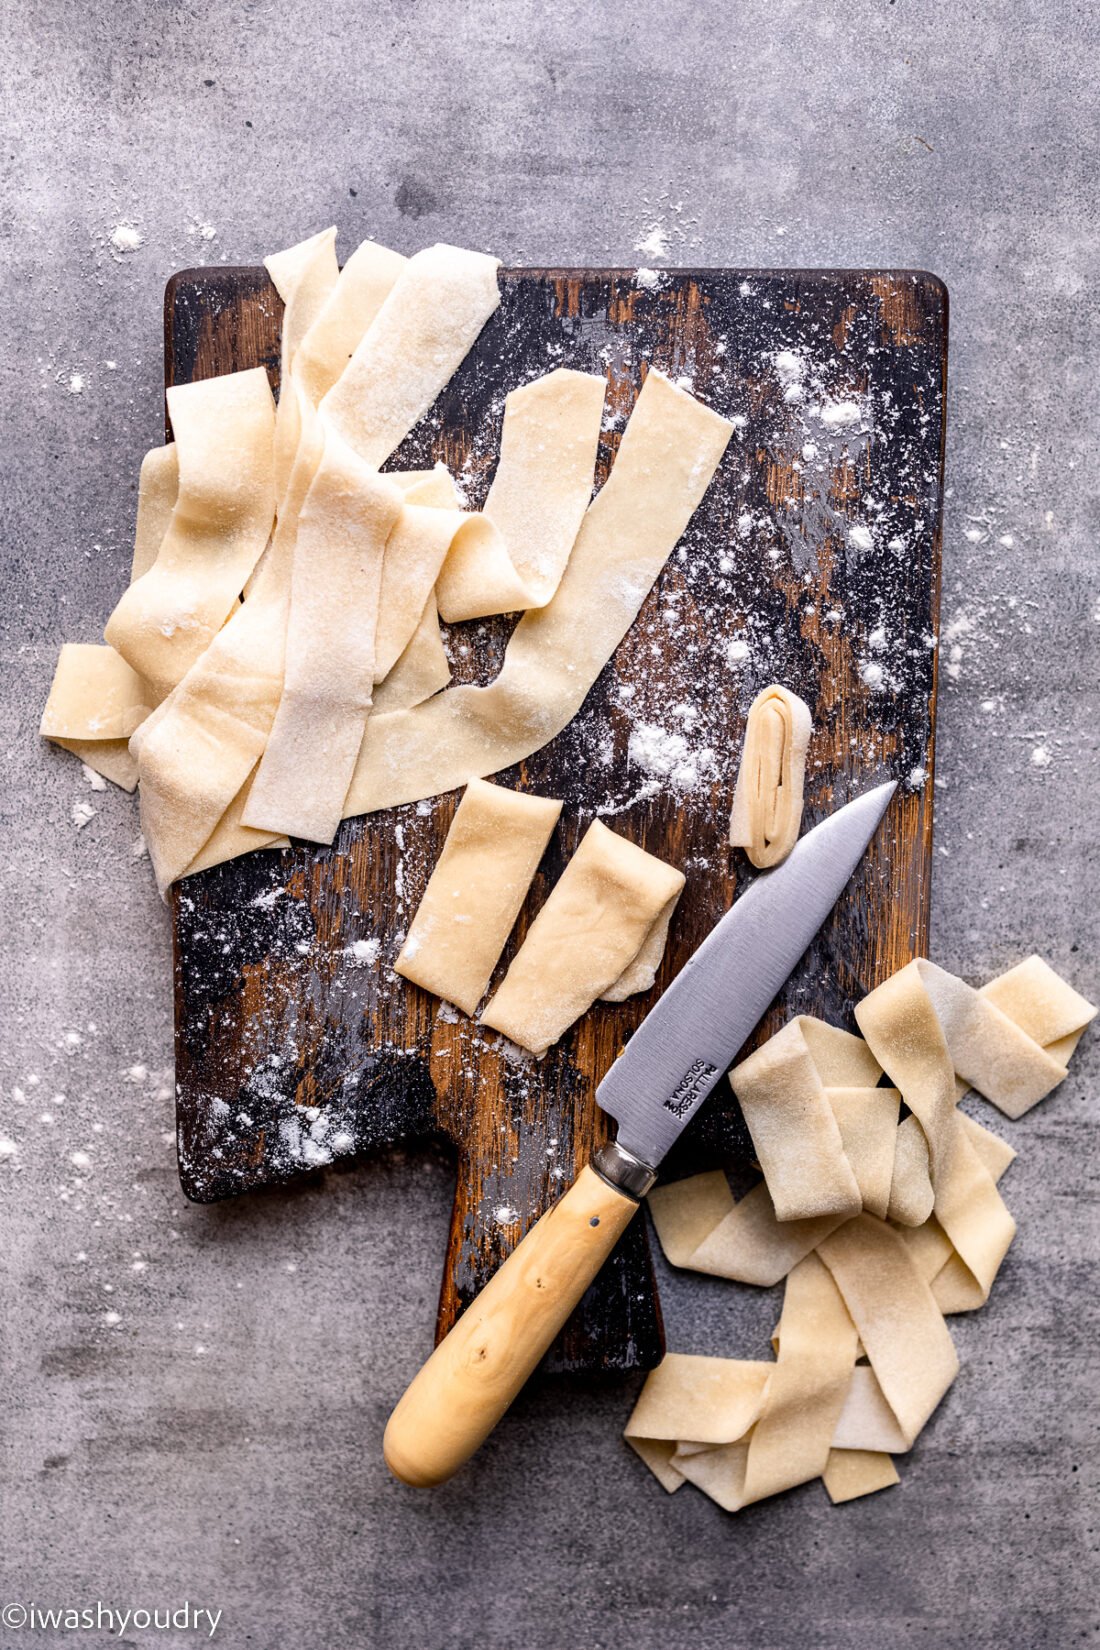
x: 673, y: 1061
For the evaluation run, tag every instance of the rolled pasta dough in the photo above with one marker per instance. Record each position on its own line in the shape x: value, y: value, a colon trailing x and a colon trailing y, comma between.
x: 767, y: 799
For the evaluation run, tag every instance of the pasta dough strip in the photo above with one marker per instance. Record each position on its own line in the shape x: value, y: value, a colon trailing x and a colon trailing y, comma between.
x: 911, y: 1194
x: 669, y: 451
x: 343, y: 317
x: 742, y: 1430
x: 422, y: 668
x: 707, y: 1400
x: 867, y: 1119
x: 767, y: 798
x: 310, y: 754
x: 158, y: 485
x: 474, y: 895
x: 794, y: 1130
x: 305, y: 277
x: 512, y: 555
x: 427, y: 324
x: 899, y: 1323
x: 699, y: 1226
x: 925, y: 1024
x: 596, y: 920
x: 218, y: 529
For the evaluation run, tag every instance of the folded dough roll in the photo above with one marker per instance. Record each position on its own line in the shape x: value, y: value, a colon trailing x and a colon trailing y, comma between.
x: 767, y: 798
x: 591, y: 929
x: 473, y: 897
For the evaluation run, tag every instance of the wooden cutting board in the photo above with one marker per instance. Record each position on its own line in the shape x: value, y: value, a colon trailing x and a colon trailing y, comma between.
x: 813, y: 561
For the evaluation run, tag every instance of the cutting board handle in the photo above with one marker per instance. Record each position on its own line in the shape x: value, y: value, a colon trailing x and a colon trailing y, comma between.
x: 471, y: 1378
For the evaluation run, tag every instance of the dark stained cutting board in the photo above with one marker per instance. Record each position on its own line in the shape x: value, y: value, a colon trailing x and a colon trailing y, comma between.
x: 295, y: 1042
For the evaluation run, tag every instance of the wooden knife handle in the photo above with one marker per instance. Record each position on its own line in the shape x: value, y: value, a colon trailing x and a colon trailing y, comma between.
x: 462, y: 1391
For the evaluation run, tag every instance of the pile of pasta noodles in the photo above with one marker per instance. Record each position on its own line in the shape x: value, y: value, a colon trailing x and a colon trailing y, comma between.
x: 276, y: 663
x: 882, y: 1229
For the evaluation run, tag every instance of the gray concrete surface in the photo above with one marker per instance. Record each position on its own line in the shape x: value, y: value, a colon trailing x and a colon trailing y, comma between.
x: 219, y: 1442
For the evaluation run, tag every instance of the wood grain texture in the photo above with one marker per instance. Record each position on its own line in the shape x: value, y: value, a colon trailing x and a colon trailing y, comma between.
x: 296, y: 1044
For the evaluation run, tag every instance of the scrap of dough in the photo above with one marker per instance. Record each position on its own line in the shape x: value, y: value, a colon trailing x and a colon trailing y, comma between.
x: 219, y: 526
x: 426, y: 326
x: 867, y: 1119
x: 668, y: 454
x: 850, y: 1473
x: 110, y: 757
x: 95, y: 695
x: 794, y: 1131
x: 474, y: 895
x: 158, y: 485
x: 596, y: 920
x: 512, y: 555
x: 899, y: 1323
x: 421, y: 670
x: 699, y: 1226
x: 310, y: 755
x: 767, y: 798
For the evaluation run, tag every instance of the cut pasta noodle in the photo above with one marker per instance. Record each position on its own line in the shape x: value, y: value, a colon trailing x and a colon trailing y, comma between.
x: 473, y: 897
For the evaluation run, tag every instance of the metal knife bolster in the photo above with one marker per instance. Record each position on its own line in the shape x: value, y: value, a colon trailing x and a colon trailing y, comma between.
x: 622, y: 1170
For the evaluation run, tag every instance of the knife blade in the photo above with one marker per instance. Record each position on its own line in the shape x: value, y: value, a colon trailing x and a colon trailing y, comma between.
x: 690, y: 1037
x: 670, y: 1065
